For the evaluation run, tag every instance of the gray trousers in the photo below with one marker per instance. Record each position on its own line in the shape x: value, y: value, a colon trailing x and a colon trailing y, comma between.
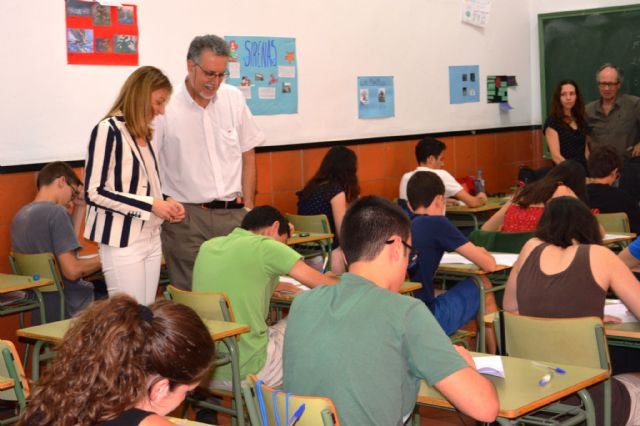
x: 181, y: 241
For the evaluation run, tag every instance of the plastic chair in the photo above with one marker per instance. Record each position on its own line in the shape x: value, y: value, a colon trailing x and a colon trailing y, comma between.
x: 317, y: 411
x: 502, y: 242
x: 214, y: 306
x: 43, y: 264
x: 11, y: 367
x: 317, y: 224
x: 574, y: 341
x: 614, y: 222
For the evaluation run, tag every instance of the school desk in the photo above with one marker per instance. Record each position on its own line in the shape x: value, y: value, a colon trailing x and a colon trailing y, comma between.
x: 307, y: 237
x: 620, y: 239
x: 6, y: 383
x: 54, y: 332
x: 455, y: 267
x: 10, y: 283
x: 474, y: 216
x: 519, y: 392
x: 280, y: 301
x: 184, y: 422
x: 625, y: 335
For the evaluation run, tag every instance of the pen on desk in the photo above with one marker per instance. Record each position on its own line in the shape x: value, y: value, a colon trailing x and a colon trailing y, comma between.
x: 544, y: 380
x: 325, y: 263
x: 554, y: 369
x: 296, y: 416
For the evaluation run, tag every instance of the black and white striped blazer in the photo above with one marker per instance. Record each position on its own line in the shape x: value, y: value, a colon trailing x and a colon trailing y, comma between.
x: 116, y: 184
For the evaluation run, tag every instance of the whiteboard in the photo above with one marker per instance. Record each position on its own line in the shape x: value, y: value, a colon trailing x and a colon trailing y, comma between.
x: 50, y: 107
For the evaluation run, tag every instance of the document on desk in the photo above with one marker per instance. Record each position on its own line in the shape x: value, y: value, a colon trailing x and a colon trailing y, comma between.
x: 491, y: 365
x: 289, y: 280
x: 608, y: 236
x: 507, y: 259
x: 615, y: 308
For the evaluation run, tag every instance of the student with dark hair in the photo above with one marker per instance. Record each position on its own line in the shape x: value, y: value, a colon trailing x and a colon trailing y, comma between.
x: 522, y: 213
x: 565, y: 272
x: 605, y: 164
x: 330, y: 192
x: 367, y: 347
x: 247, y: 265
x: 566, y: 126
x: 45, y: 226
x: 433, y: 235
x: 122, y: 363
x: 430, y: 157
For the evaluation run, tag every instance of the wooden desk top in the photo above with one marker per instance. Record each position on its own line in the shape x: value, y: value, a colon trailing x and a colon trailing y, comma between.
x: 287, y: 298
x: 54, y: 331
x: 297, y: 239
x: 493, y: 203
x: 464, y: 268
x: 617, y: 237
x: 6, y: 383
x: 519, y: 392
x: 628, y: 330
x: 11, y: 282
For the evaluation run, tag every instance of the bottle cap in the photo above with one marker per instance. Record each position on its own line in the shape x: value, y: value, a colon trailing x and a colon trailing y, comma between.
x: 36, y: 277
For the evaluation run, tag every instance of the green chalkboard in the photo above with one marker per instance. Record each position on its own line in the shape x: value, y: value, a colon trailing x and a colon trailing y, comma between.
x: 575, y: 44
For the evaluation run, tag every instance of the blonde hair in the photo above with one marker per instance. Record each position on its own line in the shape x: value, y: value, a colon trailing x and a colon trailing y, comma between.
x: 134, y: 100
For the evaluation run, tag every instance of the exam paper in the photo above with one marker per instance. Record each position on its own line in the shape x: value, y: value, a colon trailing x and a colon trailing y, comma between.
x: 615, y: 308
x: 507, y: 259
x: 288, y: 279
x: 491, y: 365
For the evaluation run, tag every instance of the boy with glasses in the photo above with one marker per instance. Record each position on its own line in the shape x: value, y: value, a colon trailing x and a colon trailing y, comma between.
x: 44, y: 225
x: 367, y: 347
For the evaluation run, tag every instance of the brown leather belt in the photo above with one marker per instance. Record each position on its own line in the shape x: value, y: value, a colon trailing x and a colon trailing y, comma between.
x: 219, y: 204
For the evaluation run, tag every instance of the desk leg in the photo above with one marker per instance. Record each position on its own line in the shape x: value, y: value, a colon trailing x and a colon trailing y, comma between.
x: 35, y: 367
x: 231, y: 344
x: 589, y: 408
x: 43, y: 319
x: 486, y: 342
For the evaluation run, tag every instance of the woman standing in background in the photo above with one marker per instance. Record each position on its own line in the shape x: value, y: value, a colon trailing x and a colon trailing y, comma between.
x: 566, y: 126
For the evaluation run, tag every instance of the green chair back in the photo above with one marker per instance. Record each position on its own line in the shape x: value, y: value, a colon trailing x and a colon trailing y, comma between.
x: 318, y: 411
x: 614, y: 222
x: 317, y: 223
x: 573, y: 341
x: 11, y: 367
x: 502, y: 242
x: 43, y: 264
x: 208, y: 305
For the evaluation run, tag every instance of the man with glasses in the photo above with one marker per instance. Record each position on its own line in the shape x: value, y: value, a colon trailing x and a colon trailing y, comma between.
x: 433, y: 235
x: 44, y: 225
x: 614, y: 120
x: 206, y: 142
x: 367, y: 347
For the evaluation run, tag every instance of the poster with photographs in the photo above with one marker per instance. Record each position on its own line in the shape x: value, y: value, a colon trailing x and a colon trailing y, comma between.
x: 264, y: 69
x: 376, y: 97
x: 101, y: 35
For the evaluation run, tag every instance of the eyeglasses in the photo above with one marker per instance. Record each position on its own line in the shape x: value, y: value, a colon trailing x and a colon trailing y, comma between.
x: 413, y: 253
x: 74, y: 192
x: 213, y: 74
x: 607, y: 84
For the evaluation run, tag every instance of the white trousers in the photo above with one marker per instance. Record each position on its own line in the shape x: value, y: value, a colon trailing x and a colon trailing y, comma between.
x: 134, y: 270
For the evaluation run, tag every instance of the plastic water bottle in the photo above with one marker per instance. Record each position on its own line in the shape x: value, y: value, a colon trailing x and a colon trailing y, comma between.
x: 479, y: 182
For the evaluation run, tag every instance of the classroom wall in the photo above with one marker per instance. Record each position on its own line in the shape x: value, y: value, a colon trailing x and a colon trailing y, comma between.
x: 549, y: 6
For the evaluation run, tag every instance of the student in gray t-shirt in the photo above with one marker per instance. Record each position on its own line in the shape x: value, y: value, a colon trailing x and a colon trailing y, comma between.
x: 44, y: 225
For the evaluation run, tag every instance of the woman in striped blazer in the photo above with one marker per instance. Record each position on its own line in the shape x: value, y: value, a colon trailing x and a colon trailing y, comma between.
x: 125, y: 206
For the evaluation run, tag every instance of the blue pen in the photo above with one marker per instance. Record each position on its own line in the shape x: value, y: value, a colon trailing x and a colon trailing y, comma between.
x: 325, y: 263
x: 296, y: 416
x: 555, y: 369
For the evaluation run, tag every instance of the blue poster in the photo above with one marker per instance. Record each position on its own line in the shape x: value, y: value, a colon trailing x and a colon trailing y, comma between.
x: 464, y: 84
x: 264, y: 69
x: 375, y: 97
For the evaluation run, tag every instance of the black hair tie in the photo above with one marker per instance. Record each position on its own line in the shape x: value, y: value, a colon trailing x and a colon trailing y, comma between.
x: 145, y: 313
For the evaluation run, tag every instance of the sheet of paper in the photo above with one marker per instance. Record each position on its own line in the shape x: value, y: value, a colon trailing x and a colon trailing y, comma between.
x: 491, y: 365
x: 287, y: 279
x: 507, y: 259
x: 616, y: 308
x: 608, y: 236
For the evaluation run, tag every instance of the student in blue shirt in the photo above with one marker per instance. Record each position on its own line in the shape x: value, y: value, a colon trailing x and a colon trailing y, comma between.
x: 432, y: 235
